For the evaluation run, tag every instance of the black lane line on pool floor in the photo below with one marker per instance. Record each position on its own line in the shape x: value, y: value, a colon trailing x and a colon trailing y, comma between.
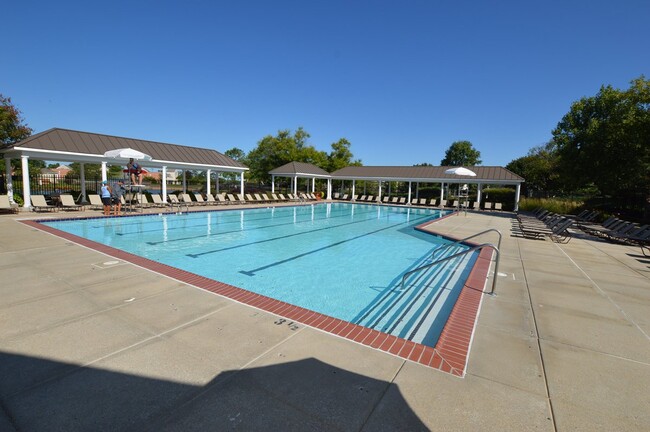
x: 295, y: 257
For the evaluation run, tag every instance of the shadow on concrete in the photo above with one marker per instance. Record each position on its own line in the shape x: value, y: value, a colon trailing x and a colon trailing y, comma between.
x: 301, y: 395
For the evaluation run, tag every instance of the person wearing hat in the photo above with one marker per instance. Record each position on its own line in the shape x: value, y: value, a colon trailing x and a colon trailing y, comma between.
x: 105, y: 194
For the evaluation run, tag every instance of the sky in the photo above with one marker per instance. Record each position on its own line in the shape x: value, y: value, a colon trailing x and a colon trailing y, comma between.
x: 401, y: 80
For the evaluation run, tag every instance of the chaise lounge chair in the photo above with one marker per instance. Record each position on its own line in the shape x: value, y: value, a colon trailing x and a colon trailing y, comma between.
x: 67, y: 202
x: 39, y: 203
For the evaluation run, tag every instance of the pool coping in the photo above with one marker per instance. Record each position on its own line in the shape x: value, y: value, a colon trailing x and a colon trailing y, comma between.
x: 450, y: 354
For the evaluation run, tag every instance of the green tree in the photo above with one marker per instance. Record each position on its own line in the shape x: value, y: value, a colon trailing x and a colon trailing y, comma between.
x: 12, y: 126
x: 341, y: 156
x: 539, y: 169
x: 92, y: 170
x: 235, y: 154
x: 605, y: 140
x: 461, y: 153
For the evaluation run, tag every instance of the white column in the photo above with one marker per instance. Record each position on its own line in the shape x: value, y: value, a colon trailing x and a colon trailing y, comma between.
x: 163, y: 183
x: 313, y: 184
x: 478, y: 194
x: 10, y: 183
x: 379, y: 191
x: 27, y: 196
x: 82, y: 178
x: 329, y: 189
x: 442, y: 191
x: 295, y: 185
x: 517, y: 192
x: 184, y: 181
x: 104, y: 175
x: 241, y: 182
x: 354, y: 185
x: 208, y: 173
x: 408, y: 200
x: 216, y: 181
x: 272, y: 184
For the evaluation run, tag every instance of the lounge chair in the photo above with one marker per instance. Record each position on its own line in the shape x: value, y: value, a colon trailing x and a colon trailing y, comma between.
x: 6, y: 206
x: 498, y: 206
x: 39, y: 203
x: 336, y: 195
x: 143, y: 201
x: 433, y: 202
x: 402, y: 200
x: 209, y: 199
x: 487, y: 205
x: 158, y: 201
x: 476, y: 205
x: 370, y: 198
x: 363, y: 198
x: 186, y: 199
x: 442, y: 203
x: 221, y: 199
x: 345, y: 197
x: 423, y: 201
x: 282, y: 197
x: 395, y: 200
x: 385, y: 199
x: 414, y: 201
x: 95, y: 201
x: 67, y: 202
x: 199, y: 199
x: 240, y: 199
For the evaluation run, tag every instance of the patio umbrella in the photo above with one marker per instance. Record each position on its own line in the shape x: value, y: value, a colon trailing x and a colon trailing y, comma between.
x: 127, y: 153
x: 460, y: 171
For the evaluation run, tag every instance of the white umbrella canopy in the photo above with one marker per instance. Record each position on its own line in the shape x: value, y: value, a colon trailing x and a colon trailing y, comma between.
x: 127, y: 153
x: 460, y: 171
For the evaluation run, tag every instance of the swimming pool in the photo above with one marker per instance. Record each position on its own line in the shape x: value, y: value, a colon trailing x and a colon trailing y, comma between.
x: 341, y: 260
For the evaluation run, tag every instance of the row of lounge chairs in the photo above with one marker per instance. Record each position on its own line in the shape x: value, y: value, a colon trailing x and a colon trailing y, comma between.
x: 66, y: 202
x: 541, y: 224
x: 433, y: 202
x: 619, y: 231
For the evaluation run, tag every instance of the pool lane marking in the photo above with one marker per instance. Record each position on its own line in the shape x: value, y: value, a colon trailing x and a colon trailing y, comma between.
x: 295, y: 257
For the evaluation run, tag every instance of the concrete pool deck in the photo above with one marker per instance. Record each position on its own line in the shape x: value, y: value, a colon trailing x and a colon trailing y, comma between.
x: 88, y: 343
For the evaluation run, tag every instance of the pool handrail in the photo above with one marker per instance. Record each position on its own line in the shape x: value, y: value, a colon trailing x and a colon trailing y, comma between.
x: 440, y: 248
x: 447, y: 258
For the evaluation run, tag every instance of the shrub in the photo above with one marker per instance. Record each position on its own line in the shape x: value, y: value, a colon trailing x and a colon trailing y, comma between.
x: 505, y: 196
x: 555, y: 205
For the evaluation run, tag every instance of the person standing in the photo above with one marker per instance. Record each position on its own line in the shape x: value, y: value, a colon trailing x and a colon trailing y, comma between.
x: 105, y: 194
x: 118, y: 193
x: 135, y: 170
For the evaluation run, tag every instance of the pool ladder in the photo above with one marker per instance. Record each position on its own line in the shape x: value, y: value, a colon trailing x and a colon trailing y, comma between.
x: 465, y: 252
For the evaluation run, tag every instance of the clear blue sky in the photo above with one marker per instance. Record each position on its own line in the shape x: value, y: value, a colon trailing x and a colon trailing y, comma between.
x: 401, y: 80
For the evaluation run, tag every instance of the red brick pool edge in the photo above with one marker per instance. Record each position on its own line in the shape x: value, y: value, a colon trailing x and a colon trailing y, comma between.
x: 449, y: 355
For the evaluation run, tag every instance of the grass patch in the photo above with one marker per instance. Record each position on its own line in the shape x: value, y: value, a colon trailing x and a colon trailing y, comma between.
x: 555, y: 205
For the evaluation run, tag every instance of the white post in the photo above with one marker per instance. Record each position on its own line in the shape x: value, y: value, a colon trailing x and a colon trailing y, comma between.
x: 329, y: 189
x: 379, y: 191
x: 517, y: 192
x: 478, y: 194
x: 442, y: 191
x: 104, y: 175
x: 295, y: 185
x: 408, y: 200
x: 313, y: 184
x: 241, y: 183
x: 27, y: 196
x: 10, y: 183
x: 82, y: 178
x: 272, y: 184
x: 354, y: 183
x: 208, y: 173
x: 163, y: 183
x: 216, y: 181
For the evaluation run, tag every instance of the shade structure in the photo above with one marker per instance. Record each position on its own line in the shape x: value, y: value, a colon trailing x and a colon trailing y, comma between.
x: 127, y: 153
x: 460, y: 171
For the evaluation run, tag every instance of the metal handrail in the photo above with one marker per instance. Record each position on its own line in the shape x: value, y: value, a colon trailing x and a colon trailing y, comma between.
x: 477, y: 247
x: 467, y: 238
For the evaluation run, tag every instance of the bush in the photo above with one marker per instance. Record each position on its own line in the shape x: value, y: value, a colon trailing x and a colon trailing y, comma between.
x: 505, y: 196
x: 555, y: 205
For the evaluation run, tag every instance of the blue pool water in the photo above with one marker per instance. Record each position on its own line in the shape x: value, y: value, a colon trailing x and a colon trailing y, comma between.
x: 343, y: 260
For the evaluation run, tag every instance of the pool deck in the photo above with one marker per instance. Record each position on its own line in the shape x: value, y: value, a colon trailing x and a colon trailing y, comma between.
x: 88, y: 343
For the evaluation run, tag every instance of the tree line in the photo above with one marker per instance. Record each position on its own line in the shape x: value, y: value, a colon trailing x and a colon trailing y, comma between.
x: 601, y: 147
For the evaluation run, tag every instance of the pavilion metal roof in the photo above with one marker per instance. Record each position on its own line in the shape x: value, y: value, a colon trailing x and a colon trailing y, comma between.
x: 486, y: 174
x: 75, y: 146
x: 299, y: 169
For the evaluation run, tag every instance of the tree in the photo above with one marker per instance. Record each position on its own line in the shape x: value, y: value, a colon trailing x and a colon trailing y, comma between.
x: 605, y: 139
x: 92, y: 170
x: 424, y: 164
x: 235, y: 154
x: 341, y: 156
x: 461, y: 153
x: 539, y: 169
x: 12, y: 127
